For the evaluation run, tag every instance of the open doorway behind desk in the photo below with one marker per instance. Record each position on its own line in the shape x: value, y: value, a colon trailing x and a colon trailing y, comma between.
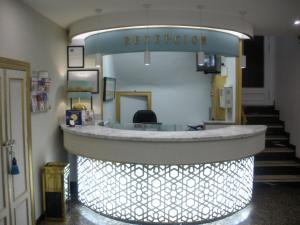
x: 127, y: 103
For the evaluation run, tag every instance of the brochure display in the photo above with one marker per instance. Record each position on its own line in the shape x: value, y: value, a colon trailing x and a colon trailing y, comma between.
x: 40, y: 88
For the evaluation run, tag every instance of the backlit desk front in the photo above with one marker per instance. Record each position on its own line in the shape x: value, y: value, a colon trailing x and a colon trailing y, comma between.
x: 165, y: 177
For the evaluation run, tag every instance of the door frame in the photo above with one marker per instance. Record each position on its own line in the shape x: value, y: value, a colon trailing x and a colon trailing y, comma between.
x: 238, y: 83
x: 12, y: 64
x: 120, y: 94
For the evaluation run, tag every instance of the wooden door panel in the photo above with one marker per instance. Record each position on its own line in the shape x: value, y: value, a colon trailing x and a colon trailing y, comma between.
x: 17, y: 128
x: 3, y: 201
x: 21, y: 215
x: 4, y: 206
x: 2, y: 188
x: 3, y: 221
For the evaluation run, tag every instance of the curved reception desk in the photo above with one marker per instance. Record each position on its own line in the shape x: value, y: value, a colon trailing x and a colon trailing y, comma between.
x: 165, y: 177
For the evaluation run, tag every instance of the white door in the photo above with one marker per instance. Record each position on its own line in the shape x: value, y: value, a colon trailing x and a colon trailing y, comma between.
x: 19, y: 201
x: 129, y: 105
x: 4, y: 200
x: 264, y: 95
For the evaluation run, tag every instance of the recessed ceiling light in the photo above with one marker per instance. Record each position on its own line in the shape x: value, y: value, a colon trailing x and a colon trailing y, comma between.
x: 297, y: 22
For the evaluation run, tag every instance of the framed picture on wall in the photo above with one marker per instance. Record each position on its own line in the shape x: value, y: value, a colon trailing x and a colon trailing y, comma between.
x: 109, y: 89
x: 91, y: 75
x: 75, y: 56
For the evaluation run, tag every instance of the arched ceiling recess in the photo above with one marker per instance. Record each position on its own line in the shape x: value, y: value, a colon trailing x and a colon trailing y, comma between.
x: 226, y: 23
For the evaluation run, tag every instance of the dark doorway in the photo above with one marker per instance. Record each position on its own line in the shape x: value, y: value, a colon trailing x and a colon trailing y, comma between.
x: 253, y: 74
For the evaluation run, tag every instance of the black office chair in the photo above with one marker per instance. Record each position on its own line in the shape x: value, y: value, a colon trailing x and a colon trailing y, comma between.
x: 144, y: 116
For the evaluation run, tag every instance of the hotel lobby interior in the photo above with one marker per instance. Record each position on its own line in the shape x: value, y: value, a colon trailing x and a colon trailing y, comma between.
x: 118, y: 112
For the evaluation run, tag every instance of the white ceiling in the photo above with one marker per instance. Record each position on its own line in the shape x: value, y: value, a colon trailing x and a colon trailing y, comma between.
x: 269, y: 17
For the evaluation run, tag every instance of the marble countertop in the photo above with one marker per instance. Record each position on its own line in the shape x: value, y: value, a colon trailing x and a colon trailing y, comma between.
x: 227, y: 133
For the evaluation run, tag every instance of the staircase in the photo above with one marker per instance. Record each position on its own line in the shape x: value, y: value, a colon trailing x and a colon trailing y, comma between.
x: 277, y: 163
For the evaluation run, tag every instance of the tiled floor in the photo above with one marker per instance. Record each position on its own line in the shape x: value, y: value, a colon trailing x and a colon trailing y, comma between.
x: 271, y: 205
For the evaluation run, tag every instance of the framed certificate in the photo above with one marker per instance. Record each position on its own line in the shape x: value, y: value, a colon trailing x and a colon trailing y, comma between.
x: 109, y: 89
x: 91, y: 75
x: 75, y: 56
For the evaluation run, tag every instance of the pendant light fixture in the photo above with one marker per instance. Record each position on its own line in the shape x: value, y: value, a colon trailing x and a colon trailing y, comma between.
x: 243, y: 62
x: 200, y: 53
x: 147, y: 57
x: 98, y: 60
x: 98, y: 56
x: 200, y: 58
x: 147, y: 53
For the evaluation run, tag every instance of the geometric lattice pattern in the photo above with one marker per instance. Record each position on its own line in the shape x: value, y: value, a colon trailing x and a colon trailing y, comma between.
x: 67, y: 194
x: 165, y: 193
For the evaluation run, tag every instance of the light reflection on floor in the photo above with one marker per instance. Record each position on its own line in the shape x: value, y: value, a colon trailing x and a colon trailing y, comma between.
x: 234, y: 219
x: 277, y: 204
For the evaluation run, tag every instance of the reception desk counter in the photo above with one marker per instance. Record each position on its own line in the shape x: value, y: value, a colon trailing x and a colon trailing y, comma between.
x: 165, y: 177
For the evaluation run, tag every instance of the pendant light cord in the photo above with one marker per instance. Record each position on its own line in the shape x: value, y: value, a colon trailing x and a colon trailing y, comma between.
x: 147, y: 6
x: 200, y: 8
x: 99, y: 11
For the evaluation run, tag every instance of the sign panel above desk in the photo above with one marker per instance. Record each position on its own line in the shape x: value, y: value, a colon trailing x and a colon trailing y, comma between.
x: 163, y: 39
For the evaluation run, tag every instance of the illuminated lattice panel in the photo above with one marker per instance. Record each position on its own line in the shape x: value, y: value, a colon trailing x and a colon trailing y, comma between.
x: 67, y: 195
x: 165, y: 193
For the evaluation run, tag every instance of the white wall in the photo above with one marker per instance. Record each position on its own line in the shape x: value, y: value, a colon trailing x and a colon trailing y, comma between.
x: 90, y: 64
x: 287, y: 85
x: 26, y: 35
x: 129, y: 106
x: 230, y: 64
x: 179, y: 93
x: 109, y: 108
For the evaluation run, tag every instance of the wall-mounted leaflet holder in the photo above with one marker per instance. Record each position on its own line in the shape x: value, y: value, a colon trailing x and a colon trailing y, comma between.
x: 226, y: 97
x: 226, y: 100
x: 40, y: 88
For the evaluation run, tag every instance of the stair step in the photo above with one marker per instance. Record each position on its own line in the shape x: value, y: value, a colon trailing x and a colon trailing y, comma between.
x: 277, y: 140
x: 278, y: 150
x: 277, y: 163
x: 254, y: 115
x: 276, y: 178
x: 276, y: 131
x: 277, y: 137
x: 277, y: 144
x: 275, y: 125
x: 263, y: 121
x: 278, y: 167
x: 275, y: 154
x: 260, y: 109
